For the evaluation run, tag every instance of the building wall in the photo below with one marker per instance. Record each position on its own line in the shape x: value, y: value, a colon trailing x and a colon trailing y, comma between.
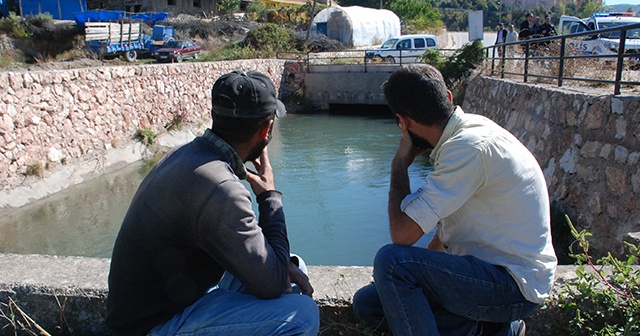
x: 174, y: 7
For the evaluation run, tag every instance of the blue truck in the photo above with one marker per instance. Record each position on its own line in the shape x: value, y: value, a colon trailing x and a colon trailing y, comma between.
x: 124, y: 39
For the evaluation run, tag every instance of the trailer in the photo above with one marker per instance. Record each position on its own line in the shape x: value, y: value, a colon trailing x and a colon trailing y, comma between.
x: 108, y: 38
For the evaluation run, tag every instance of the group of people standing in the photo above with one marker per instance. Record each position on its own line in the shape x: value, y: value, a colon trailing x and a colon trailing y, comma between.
x: 530, y: 28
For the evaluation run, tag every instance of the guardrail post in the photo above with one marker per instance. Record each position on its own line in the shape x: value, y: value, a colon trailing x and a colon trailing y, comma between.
x: 526, y: 61
x: 504, y: 55
x: 621, y: 47
x: 493, y: 59
x: 563, y: 43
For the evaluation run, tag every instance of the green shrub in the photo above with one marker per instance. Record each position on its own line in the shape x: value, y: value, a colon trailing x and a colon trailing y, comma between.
x: 421, y: 15
x: 15, y: 26
x: 40, y: 20
x: 456, y: 68
x: 270, y: 38
x: 228, y: 6
x: 599, y: 302
x: 255, y: 10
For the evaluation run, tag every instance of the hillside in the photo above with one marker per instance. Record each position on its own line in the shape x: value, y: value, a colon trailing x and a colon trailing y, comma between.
x: 624, y: 8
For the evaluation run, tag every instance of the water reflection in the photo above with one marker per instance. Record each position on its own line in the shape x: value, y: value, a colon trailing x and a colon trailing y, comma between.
x: 333, y: 172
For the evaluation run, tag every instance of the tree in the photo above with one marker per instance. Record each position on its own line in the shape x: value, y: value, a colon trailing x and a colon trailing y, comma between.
x: 587, y: 8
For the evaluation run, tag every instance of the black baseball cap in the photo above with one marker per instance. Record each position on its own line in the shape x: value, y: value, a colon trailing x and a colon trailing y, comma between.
x: 245, y: 95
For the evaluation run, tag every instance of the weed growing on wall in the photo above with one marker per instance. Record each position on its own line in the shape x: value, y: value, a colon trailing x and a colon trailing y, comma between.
x: 36, y: 169
x: 146, y: 136
x: 176, y: 123
x: 604, y: 299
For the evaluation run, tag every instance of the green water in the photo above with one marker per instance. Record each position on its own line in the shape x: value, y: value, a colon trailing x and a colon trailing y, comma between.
x: 332, y: 170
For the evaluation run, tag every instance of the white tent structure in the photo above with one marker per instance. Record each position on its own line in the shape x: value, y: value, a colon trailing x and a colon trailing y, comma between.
x: 357, y: 26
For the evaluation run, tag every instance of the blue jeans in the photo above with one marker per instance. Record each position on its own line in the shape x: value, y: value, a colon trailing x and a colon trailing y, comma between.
x: 226, y: 310
x: 424, y: 292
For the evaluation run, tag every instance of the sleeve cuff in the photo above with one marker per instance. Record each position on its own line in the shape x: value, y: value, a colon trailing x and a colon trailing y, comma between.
x: 420, y: 211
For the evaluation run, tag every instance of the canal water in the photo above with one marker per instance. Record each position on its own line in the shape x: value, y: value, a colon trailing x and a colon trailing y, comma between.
x: 333, y: 171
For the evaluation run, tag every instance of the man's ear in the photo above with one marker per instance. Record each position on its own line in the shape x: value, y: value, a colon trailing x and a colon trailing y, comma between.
x: 264, y: 130
x: 403, y: 121
x: 450, y: 95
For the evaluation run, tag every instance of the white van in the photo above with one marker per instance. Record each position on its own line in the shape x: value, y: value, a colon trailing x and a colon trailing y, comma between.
x: 402, y: 49
x: 601, y: 44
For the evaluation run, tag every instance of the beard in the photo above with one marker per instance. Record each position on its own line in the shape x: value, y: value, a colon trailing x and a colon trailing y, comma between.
x: 419, y: 142
x: 257, y: 150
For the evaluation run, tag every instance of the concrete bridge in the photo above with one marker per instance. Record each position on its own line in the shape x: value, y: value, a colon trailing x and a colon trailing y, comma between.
x: 354, y: 84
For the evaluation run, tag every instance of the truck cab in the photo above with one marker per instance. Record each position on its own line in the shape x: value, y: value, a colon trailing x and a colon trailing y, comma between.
x: 601, y: 44
x: 403, y: 49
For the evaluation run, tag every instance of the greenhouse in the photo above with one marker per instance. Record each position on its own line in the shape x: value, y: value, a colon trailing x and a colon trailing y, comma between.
x: 357, y: 26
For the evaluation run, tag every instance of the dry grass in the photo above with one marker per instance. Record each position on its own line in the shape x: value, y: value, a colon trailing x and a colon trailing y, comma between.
x: 540, y: 64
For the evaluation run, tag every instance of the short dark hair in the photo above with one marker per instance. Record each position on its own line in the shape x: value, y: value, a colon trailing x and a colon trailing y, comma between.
x: 419, y: 91
x: 238, y: 130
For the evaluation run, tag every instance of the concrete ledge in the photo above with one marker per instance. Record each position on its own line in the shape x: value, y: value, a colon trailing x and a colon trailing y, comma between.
x: 67, y: 294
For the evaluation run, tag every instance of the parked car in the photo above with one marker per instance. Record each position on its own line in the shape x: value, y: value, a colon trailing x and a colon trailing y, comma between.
x: 177, y: 50
x: 403, y: 49
x: 602, y: 44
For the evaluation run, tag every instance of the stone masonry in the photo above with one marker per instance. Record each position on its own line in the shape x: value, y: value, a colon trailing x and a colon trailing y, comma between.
x: 54, y: 118
x: 587, y: 143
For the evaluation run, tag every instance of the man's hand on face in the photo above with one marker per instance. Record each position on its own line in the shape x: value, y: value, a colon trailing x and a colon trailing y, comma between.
x: 262, y: 180
x: 407, y: 151
x: 298, y: 277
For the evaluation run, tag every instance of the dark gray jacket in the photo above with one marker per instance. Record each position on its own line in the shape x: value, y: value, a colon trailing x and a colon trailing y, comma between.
x: 190, y: 220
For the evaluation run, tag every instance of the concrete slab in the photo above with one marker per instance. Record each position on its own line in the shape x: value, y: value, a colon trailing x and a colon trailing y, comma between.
x: 68, y: 294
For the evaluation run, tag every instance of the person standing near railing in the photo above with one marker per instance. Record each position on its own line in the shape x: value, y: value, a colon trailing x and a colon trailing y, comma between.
x: 511, y: 37
x: 547, y: 28
x: 526, y: 27
x: 501, y: 37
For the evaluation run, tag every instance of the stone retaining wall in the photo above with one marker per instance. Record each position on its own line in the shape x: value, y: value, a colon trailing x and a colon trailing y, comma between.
x: 587, y: 143
x: 54, y: 118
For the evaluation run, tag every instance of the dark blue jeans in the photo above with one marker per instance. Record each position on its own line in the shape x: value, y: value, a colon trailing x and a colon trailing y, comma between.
x: 424, y: 292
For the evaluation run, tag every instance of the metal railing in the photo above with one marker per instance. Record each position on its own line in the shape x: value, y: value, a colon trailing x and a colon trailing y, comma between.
x: 551, y: 58
x: 357, y: 57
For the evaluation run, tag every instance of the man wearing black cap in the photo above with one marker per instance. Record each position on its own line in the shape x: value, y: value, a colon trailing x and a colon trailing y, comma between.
x: 547, y: 28
x: 191, y: 221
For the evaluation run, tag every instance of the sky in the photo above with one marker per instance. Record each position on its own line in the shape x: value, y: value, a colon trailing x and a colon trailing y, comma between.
x: 617, y: 2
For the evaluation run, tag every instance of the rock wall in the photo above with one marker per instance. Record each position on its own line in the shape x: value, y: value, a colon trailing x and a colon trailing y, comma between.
x: 587, y: 143
x: 54, y: 118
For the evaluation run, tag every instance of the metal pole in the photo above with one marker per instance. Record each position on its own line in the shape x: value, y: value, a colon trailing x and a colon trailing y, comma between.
x: 621, y: 47
x: 526, y: 61
x: 563, y: 44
